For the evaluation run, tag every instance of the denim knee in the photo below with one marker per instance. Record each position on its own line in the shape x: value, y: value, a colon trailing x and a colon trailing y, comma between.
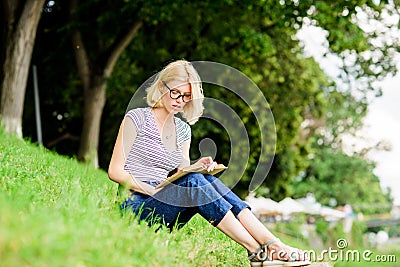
x: 196, y: 179
x: 237, y: 204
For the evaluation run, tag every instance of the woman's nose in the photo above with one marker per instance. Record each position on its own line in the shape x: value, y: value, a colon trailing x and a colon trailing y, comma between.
x: 179, y: 99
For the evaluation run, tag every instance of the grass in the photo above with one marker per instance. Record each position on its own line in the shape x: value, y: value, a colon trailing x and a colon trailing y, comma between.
x: 386, y: 256
x: 55, y: 211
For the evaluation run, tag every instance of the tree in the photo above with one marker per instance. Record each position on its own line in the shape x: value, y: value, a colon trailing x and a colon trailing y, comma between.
x: 237, y: 39
x: 94, y: 71
x: 20, y: 21
x: 99, y: 38
x: 257, y: 38
x: 333, y: 175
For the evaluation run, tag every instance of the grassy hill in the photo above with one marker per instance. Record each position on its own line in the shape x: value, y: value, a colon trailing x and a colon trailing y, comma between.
x: 55, y: 211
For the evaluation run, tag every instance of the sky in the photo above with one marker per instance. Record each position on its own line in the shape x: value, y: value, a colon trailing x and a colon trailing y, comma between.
x: 382, y: 121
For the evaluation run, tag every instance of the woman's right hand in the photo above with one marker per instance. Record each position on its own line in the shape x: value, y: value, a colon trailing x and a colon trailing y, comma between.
x: 207, y: 161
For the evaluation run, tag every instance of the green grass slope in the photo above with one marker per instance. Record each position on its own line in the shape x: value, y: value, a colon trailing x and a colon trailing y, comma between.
x: 55, y: 211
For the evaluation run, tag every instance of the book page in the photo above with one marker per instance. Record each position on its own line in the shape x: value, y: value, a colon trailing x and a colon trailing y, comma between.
x: 189, y: 169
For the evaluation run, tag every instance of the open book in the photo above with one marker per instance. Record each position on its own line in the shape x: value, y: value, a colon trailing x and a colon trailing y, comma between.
x: 189, y: 169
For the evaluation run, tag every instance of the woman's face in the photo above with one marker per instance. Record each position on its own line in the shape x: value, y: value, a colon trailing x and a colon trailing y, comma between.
x: 176, y: 96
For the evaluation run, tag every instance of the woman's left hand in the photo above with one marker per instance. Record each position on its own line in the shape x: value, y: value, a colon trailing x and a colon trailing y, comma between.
x: 208, y: 162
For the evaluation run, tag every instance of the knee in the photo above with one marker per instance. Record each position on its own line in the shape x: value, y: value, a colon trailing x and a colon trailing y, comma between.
x: 210, y: 178
x: 197, y: 179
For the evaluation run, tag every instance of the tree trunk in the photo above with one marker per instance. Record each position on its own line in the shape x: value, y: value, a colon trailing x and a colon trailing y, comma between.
x: 20, y: 39
x: 94, y: 81
x: 95, y: 99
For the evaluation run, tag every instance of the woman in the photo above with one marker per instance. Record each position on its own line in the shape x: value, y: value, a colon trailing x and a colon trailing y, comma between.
x: 156, y: 142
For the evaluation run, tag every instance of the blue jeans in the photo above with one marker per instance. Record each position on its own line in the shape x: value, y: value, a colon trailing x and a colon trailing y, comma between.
x: 179, y: 201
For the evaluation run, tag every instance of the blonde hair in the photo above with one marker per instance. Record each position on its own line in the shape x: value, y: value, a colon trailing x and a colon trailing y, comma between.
x: 182, y: 71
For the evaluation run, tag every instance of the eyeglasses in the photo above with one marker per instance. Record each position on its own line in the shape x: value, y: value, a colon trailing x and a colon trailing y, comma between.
x: 175, y: 94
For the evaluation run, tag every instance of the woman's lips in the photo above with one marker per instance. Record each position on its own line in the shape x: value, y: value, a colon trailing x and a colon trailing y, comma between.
x: 176, y: 106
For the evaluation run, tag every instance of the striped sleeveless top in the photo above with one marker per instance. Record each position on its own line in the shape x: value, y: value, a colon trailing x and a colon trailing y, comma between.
x: 148, y: 159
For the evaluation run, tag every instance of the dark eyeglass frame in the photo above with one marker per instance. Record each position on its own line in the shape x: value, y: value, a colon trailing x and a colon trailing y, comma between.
x: 174, y: 91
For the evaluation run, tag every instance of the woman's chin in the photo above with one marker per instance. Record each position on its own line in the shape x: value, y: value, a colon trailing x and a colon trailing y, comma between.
x: 176, y: 108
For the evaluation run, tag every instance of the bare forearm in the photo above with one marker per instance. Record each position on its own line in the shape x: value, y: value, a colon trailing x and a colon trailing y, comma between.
x: 141, y: 187
x: 129, y: 181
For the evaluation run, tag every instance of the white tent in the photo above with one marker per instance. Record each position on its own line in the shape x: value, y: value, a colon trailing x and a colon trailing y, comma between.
x: 315, y: 208
x: 311, y: 206
x: 266, y: 206
x: 289, y: 206
x: 329, y: 212
x: 263, y: 206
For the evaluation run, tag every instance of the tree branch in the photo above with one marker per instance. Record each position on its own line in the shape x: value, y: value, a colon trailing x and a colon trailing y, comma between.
x: 65, y: 136
x: 81, y: 57
x: 120, y: 47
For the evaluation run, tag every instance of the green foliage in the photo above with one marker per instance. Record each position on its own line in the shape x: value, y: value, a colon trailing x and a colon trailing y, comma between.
x: 291, y: 228
x: 255, y: 37
x: 330, y: 232
x: 332, y: 174
x: 344, y: 116
x: 321, y: 227
x: 290, y: 83
x: 348, y: 180
x: 358, y: 230
x: 394, y: 230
